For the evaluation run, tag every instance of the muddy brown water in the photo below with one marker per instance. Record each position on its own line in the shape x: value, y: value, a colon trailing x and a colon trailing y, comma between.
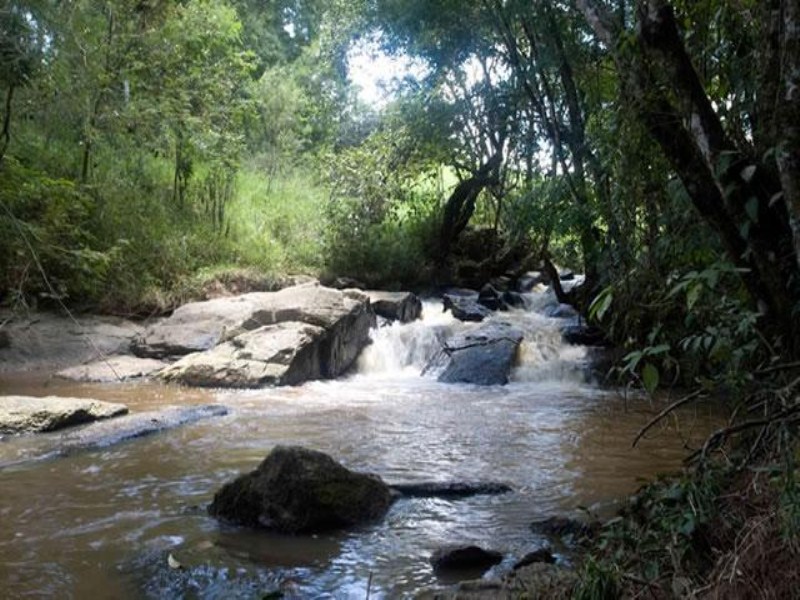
x: 101, y: 524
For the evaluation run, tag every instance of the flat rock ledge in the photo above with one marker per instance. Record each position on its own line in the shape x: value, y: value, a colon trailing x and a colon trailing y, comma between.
x: 297, y: 490
x: 27, y: 414
x: 48, y: 342
x: 120, y: 367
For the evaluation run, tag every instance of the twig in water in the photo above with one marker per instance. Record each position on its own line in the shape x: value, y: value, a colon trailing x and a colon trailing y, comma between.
x: 664, y: 413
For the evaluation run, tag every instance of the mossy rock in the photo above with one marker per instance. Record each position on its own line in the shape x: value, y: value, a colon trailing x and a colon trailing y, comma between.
x: 296, y: 490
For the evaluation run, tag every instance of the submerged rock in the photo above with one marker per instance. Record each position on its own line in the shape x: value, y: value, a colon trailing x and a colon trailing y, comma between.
x: 282, y: 354
x: 26, y: 414
x: 542, y: 555
x: 451, y: 490
x: 102, y: 434
x: 483, y: 356
x: 114, y: 368
x: 396, y: 306
x: 513, y: 299
x: 564, y: 527
x: 107, y: 433
x: 453, y: 558
x: 296, y: 490
x: 562, y: 311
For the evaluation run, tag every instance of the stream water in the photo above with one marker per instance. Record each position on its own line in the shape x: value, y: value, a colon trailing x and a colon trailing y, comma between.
x: 101, y: 524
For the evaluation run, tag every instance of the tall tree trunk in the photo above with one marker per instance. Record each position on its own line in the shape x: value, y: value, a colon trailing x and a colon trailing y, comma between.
x: 97, y: 104
x: 6, y: 133
x: 735, y: 193
x: 788, y: 114
x: 461, y: 204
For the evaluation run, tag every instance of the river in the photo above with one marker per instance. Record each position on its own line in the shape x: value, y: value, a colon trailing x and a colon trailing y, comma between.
x: 101, y: 524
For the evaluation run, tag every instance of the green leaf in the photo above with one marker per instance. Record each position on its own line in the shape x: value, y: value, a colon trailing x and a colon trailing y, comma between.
x: 748, y: 172
x: 751, y: 207
x: 632, y: 360
x: 650, y: 377
x: 693, y: 295
x: 655, y: 350
x: 601, y: 304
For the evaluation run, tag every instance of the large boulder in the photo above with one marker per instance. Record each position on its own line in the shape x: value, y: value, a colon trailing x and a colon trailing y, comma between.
x: 483, y: 356
x: 199, y: 326
x: 396, y: 306
x: 26, y: 414
x: 296, y: 490
x: 283, y: 354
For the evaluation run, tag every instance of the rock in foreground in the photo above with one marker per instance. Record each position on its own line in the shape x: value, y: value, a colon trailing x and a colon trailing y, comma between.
x: 483, y: 356
x: 25, y: 414
x: 296, y: 490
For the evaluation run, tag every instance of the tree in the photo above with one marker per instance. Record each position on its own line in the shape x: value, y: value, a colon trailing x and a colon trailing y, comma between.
x: 738, y: 187
x: 19, y: 50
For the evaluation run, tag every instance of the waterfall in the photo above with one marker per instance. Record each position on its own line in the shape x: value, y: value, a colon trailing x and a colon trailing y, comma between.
x: 403, y: 349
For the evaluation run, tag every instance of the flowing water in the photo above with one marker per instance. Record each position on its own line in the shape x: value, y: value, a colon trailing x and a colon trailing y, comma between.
x: 101, y: 524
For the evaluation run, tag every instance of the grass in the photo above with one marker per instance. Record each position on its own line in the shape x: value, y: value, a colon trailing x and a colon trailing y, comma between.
x: 276, y: 224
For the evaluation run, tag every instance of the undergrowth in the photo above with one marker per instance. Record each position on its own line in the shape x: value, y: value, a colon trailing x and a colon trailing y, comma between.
x: 728, y: 527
